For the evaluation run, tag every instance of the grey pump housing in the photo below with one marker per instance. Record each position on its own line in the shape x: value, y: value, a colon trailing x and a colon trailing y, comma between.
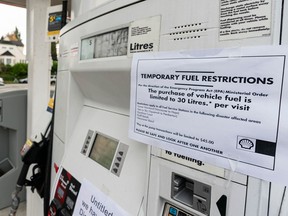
x: 13, y: 121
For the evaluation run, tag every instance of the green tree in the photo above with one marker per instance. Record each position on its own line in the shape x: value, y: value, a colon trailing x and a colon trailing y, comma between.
x: 53, y: 51
x: 17, y: 34
x: 54, y: 67
x: 19, y: 70
x: 7, y: 68
x: 2, y: 67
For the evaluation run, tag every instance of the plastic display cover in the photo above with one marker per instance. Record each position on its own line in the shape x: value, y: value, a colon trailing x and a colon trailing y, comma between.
x: 109, y: 44
x: 103, y: 150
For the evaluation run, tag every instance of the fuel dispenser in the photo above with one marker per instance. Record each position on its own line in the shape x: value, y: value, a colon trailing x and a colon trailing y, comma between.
x: 91, y: 143
x: 13, y: 108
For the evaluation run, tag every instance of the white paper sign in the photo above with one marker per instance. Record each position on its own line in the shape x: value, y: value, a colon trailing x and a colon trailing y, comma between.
x: 92, y: 202
x: 225, y: 107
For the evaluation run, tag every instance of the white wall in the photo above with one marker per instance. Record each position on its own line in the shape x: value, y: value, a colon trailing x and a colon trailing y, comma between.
x: 17, y: 52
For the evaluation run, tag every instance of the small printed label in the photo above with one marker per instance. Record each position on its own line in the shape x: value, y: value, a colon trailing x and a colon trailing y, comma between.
x: 144, y: 35
x: 50, y: 105
x: 26, y: 147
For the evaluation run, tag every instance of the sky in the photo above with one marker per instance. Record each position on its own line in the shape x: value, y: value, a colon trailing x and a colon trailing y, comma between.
x: 12, y: 17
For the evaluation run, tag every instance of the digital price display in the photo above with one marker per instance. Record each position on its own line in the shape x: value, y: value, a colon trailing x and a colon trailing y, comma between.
x: 110, y: 44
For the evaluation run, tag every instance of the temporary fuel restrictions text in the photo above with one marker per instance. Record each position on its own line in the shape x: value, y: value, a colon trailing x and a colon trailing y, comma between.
x: 196, y: 96
x: 214, y: 106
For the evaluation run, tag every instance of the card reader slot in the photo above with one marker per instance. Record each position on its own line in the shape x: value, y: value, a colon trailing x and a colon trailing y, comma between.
x: 183, y: 189
x: 199, y: 198
x: 185, y: 196
x: 191, y: 193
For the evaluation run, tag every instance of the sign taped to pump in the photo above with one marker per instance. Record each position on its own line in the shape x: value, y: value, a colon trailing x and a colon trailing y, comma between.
x: 225, y: 107
x: 92, y: 202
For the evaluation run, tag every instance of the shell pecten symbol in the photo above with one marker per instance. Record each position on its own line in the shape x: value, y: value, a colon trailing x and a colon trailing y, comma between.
x: 246, y: 143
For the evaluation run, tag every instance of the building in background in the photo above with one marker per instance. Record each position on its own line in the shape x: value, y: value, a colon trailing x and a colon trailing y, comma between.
x: 11, y: 50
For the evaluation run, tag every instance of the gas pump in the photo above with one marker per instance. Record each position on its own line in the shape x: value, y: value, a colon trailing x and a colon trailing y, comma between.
x: 105, y: 171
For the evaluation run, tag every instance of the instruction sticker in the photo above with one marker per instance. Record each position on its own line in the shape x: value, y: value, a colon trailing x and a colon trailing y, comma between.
x: 221, y: 108
x: 244, y: 18
x: 144, y: 35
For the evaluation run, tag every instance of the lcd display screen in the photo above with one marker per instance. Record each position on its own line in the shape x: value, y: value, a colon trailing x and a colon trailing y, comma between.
x: 113, y: 43
x: 103, y: 150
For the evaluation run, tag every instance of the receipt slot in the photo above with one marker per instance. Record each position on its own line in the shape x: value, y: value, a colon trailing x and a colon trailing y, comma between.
x: 92, y: 110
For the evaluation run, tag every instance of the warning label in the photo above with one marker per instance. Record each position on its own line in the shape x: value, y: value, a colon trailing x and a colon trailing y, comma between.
x: 244, y: 18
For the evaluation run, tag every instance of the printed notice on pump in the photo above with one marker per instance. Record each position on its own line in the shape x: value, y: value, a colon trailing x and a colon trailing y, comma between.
x: 92, y: 202
x: 226, y: 107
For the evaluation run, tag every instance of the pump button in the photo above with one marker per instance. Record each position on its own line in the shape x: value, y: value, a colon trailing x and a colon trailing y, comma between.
x: 173, y: 211
x: 119, y: 159
x: 182, y: 214
x: 64, y: 212
x: 222, y: 205
x: 87, y: 142
x: 170, y: 210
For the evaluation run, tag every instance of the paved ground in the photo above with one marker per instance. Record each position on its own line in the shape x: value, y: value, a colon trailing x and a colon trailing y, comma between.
x: 11, y: 87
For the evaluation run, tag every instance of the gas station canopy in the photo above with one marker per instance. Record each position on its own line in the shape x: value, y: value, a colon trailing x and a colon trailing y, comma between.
x: 22, y: 3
